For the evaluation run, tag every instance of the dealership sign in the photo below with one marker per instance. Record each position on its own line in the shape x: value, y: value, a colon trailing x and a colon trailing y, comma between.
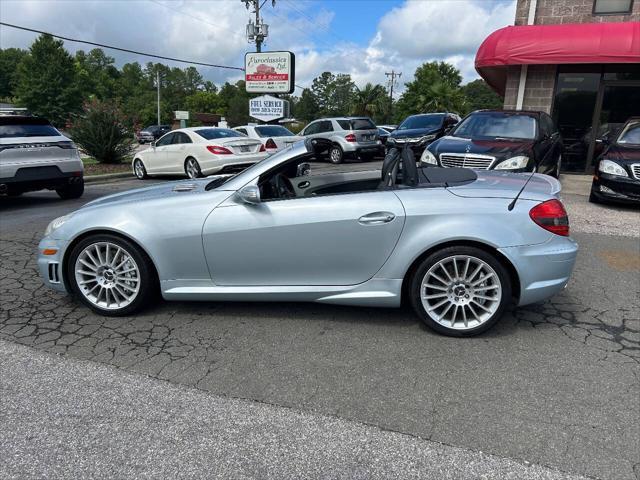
x: 267, y: 108
x: 269, y: 72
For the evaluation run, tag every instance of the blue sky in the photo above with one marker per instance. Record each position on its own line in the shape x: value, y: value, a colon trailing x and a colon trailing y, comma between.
x: 364, y: 38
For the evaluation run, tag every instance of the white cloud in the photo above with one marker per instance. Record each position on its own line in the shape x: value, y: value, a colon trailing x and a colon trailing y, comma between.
x: 213, y: 32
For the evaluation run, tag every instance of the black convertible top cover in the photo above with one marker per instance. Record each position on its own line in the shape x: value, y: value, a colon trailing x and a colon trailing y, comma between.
x: 449, y: 177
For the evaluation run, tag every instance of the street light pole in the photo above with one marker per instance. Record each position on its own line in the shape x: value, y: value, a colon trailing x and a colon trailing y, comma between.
x: 393, y: 74
x: 257, y: 32
x: 158, y: 85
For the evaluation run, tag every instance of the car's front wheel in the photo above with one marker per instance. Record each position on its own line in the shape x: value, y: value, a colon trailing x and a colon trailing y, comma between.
x: 139, y: 170
x: 111, y: 275
x: 336, y: 154
x: 72, y: 190
x: 460, y: 291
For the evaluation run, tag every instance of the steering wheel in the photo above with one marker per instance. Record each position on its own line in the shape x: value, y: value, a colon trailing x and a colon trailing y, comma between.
x: 283, y: 186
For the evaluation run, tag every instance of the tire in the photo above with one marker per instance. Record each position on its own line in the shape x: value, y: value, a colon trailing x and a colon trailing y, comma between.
x: 192, y: 168
x: 336, y: 155
x: 100, y: 275
x: 556, y: 172
x: 473, y: 315
x: 138, y: 170
x: 593, y: 198
x: 73, y: 190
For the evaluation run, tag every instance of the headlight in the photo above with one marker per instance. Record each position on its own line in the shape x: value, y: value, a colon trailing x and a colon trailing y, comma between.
x: 428, y: 157
x: 513, y: 163
x: 426, y: 138
x: 55, y: 224
x: 612, y: 168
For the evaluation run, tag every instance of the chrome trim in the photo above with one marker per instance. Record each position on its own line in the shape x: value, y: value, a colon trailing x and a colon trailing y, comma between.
x: 467, y: 160
x: 635, y: 170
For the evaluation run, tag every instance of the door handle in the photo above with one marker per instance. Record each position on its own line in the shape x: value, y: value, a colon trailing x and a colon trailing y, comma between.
x: 376, y: 218
x: 304, y: 184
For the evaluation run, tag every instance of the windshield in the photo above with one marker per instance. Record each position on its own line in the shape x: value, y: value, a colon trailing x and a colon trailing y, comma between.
x: 214, y: 133
x: 9, y: 131
x: 273, y: 131
x: 497, y: 125
x: 630, y: 134
x: 422, y: 121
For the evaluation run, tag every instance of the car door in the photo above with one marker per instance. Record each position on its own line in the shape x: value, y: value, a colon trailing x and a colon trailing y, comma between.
x: 341, y: 239
x: 177, y: 153
x: 311, y: 129
x: 156, y: 158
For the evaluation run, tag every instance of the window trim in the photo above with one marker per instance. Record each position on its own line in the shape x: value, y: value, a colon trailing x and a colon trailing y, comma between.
x: 627, y: 12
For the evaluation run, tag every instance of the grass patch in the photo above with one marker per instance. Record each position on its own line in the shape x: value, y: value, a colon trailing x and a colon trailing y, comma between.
x: 93, y: 167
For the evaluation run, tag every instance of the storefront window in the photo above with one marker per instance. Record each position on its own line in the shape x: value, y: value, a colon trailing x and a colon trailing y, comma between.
x: 574, y: 104
x: 605, y: 7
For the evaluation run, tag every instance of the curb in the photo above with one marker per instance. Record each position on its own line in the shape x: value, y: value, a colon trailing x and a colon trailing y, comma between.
x: 107, y: 177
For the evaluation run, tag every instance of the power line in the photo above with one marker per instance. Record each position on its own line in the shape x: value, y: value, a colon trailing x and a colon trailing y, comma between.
x: 202, y: 20
x: 120, y: 49
x: 313, y: 22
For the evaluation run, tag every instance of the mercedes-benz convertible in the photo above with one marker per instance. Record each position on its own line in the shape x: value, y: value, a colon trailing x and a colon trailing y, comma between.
x: 457, y: 245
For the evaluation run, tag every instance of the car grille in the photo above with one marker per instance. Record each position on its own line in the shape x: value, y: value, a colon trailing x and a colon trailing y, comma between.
x: 478, y: 162
x: 635, y: 168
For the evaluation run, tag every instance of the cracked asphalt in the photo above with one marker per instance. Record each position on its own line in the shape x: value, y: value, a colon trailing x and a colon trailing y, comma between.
x: 555, y: 384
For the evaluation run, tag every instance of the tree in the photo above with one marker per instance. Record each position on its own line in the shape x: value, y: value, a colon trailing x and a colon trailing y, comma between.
x: 436, y: 86
x: 46, y: 81
x: 306, y: 108
x: 333, y: 93
x: 9, y: 60
x: 102, y: 132
x: 203, y: 102
x: 371, y: 101
x: 97, y: 75
x: 480, y: 95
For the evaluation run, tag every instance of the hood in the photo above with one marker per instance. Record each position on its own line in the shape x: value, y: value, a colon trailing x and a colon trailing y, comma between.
x: 623, y: 153
x: 414, y: 132
x: 496, y: 184
x: 180, y: 187
x: 501, y: 149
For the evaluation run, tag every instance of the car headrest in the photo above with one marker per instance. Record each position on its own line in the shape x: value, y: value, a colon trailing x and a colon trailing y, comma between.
x: 390, y: 167
x: 409, y: 167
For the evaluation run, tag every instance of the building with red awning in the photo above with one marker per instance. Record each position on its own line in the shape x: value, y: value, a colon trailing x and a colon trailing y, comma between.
x: 578, y: 60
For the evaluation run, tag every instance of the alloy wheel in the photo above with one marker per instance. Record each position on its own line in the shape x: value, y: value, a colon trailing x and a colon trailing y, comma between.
x: 461, y: 292
x: 335, y: 155
x: 192, y: 168
x: 107, y: 275
x: 139, y: 169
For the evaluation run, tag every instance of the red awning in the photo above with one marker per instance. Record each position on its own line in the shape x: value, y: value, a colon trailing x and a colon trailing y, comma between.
x: 556, y: 45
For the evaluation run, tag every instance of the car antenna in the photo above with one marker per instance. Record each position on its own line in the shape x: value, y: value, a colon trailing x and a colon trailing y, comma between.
x: 515, y: 199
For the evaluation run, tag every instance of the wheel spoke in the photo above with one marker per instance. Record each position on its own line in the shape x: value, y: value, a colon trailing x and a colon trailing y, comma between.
x: 444, y: 312
x: 84, y: 272
x: 438, y: 305
x: 488, y: 287
x: 483, y: 297
x: 97, y: 250
x: 466, y: 267
x: 435, y: 287
x: 442, y: 267
x: 455, y: 267
x: 87, y: 264
x: 115, y: 257
x: 439, y: 278
x: 455, y: 314
x: 481, y: 306
x: 482, y: 279
x: 464, y: 317
x: 475, y: 272
x: 435, y: 295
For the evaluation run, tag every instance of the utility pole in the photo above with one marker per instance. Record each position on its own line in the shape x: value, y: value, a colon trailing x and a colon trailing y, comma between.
x: 257, y: 32
x: 392, y: 81
x: 158, y: 85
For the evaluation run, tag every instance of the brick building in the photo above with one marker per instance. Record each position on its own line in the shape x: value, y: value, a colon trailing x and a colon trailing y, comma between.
x: 578, y: 60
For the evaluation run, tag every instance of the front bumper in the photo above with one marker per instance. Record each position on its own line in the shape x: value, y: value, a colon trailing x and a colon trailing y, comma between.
x: 50, y: 266
x: 616, y: 188
x: 543, y: 269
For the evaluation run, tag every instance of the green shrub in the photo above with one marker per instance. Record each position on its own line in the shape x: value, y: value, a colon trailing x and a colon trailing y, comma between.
x: 102, y: 133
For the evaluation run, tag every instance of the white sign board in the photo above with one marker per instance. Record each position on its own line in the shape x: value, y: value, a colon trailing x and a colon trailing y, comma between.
x: 269, y: 72
x: 181, y: 114
x: 267, y: 108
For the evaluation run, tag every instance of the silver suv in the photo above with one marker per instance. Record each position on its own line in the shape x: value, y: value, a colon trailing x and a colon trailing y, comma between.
x: 35, y: 156
x: 349, y: 136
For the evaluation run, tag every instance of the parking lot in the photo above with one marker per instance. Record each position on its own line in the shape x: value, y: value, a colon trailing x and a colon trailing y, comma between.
x: 554, y: 384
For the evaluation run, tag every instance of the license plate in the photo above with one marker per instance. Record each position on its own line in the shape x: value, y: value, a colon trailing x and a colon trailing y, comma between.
x: 367, y: 137
x: 245, y: 148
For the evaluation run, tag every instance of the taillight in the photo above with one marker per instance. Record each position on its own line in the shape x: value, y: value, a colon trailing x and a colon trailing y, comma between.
x: 218, y: 150
x: 262, y: 149
x: 271, y: 144
x: 351, y: 137
x: 551, y: 216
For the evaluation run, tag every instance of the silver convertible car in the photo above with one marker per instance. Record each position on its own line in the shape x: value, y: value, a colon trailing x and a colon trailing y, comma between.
x: 457, y: 245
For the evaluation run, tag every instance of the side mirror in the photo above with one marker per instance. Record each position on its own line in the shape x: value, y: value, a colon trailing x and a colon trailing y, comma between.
x: 303, y: 169
x: 250, y: 194
x: 153, y: 144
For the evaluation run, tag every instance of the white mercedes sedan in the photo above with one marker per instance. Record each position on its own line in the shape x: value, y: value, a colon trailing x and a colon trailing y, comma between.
x: 273, y: 137
x: 197, y: 152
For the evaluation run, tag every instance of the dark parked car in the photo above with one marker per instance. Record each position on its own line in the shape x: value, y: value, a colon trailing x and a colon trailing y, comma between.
x: 383, y: 134
x: 152, y: 133
x: 418, y: 131
x: 511, y: 141
x: 617, y: 175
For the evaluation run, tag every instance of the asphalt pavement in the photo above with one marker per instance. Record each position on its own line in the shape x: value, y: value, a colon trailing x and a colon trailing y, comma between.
x: 554, y: 384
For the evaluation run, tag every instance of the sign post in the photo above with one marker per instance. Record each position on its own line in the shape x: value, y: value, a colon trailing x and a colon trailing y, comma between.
x: 183, y: 116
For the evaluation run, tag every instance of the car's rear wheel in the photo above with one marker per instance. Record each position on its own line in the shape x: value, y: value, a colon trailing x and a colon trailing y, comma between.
x: 556, y: 171
x: 139, y: 170
x: 72, y: 190
x: 460, y: 291
x: 192, y: 168
x: 111, y: 275
x: 336, y: 154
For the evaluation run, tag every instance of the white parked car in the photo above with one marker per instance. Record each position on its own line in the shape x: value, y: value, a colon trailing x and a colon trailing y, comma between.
x: 273, y: 137
x: 197, y: 152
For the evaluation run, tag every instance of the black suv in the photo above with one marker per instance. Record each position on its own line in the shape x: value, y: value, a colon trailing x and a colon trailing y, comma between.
x: 152, y: 133
x: 418, y: 131
x: 617, y: 175
x: 504, y: 140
